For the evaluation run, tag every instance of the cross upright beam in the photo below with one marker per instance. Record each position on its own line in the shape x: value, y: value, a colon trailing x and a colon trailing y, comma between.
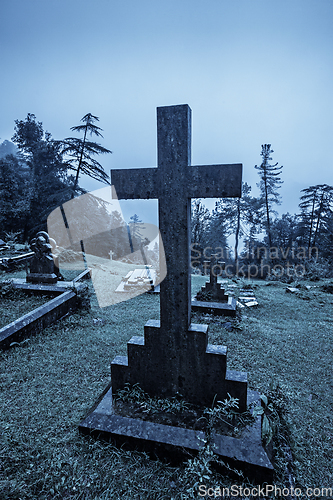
x: 174, y: 182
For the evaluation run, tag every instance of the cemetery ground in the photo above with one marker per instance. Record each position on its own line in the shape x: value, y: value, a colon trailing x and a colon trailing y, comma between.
x: 15, y: 303
x: 49, y: 383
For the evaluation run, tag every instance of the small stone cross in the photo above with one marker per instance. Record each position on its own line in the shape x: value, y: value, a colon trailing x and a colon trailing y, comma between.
x: 173, y: 356
x: 216, y: 267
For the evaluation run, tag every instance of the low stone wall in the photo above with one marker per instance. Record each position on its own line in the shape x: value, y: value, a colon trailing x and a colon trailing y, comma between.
x: 35, y: 321
x: 10, y: 263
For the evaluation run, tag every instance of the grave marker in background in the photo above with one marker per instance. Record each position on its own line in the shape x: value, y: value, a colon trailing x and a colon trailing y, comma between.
x: 212, y: 299
x: 42, y: 265
x: 212, y: 286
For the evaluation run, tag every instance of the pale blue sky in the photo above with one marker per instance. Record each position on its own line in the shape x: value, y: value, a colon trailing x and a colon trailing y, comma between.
x: 253, y: 72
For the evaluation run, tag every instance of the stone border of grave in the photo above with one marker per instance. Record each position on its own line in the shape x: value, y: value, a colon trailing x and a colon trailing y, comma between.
x: 245, y: 452
x: 246, y: 298
x: 217, y: 308
x: 49, y: 288
x: 38, y: 319
x: 10, y: 263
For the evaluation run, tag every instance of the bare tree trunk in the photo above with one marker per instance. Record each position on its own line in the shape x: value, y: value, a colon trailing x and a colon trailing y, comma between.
x: 267, y: 213
x: 237, y: 233
x: 311, y: 223
x: 80, y: 161
x: 318, y: 219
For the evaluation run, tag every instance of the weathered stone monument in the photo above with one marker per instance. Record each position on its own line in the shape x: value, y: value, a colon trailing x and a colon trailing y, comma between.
x: 174, y: 357
x: 42, y: 267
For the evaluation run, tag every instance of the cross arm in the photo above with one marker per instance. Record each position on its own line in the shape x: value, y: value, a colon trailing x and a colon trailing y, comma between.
x: 135, y: 183
x: 215, y: 181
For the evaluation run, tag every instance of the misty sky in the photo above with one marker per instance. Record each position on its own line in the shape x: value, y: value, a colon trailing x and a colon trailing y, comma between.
x: 253, y: 72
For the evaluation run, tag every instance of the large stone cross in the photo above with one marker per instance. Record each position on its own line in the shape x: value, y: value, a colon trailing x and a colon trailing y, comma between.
x: 172, y: 357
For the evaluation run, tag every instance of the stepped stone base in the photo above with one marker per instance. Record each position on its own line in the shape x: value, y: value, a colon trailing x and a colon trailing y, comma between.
x: 202, y: 367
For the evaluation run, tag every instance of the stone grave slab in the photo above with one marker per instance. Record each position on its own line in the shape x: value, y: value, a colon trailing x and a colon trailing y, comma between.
x: 251, y: 303
x: 292, y: 290
x: 173, y: 357
x: 244, y: 453
x: 143, y: 279
x: 42, y: 288
x: 247, y: 298
x: 50, y: 289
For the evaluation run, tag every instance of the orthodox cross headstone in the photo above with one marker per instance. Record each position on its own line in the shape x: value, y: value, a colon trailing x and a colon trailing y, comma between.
x: 212, y: 286
x: 174, y: 357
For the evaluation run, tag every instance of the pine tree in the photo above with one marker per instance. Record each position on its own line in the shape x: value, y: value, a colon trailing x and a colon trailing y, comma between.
x: 216, y: 234
x: 239, y: 213
x: 268, y: 185
x: 48, y: 183
x: 316, y: 209
x: 200, y: 220
x: 327, y: 239
x: 14, y: 188
x: 80, y: 152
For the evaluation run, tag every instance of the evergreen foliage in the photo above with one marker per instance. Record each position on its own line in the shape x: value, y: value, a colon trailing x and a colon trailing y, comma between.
x: 208, y: 234
x: 79, y: 153
x: 47, y: 183
x: 35, y: 180
x: 14, y: 186
x: 316, y: 212
x: 268, y: 185
x: 242, y: 216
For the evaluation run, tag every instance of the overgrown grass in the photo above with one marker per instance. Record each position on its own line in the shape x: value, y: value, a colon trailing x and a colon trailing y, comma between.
x: 15, y: 303
x: 288, y: 342
x: 49, y: 383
